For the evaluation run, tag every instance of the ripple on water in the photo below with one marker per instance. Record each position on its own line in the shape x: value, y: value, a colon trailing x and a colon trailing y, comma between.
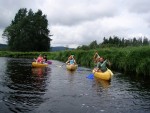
x: 54, y: 89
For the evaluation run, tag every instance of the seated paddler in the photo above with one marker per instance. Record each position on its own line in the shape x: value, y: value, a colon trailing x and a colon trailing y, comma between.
x: 71, y: 60
x: 101, y: 65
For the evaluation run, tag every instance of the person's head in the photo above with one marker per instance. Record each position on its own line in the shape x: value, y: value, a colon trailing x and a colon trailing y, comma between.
x: 70, y: 57
x: 101, y: 59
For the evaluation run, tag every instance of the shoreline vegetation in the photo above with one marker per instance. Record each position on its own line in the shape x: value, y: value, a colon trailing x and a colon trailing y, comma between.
x: 128, y: 60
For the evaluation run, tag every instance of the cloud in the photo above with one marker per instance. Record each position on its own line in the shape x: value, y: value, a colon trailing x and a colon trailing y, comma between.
x: 78, y: 22
x: 138, y: 6
x: 76, y: 12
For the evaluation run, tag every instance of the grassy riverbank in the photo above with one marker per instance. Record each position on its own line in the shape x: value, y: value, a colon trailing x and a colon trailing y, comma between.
x: 134, y: 60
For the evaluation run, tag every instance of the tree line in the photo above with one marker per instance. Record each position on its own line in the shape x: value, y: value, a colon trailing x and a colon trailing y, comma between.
x: 115, y: 41
x: 28, y: 32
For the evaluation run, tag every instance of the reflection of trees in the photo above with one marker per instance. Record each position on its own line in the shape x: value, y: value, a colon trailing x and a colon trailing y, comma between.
x: 25, y: 88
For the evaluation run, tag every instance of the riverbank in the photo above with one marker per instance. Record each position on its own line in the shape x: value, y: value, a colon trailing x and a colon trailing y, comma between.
x: 135, y: 60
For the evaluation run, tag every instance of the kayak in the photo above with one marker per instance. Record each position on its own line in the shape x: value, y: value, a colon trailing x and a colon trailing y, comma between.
x: 104, y: 75
x: 71, y: 67
x: 35, y: 64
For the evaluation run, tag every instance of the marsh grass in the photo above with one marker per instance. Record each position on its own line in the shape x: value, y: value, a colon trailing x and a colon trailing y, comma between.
x: 134, y: 60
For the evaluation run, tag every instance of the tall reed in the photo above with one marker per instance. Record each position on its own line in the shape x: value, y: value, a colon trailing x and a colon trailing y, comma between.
x: 127, y: 60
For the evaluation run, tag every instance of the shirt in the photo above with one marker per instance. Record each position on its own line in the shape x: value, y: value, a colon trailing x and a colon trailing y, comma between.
x: 102, y: 66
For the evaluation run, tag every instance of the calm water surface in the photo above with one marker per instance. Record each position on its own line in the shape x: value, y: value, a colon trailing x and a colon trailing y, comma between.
x: 24, y: 89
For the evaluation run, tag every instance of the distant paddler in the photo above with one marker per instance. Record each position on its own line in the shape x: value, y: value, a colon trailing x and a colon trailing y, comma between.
x: 71, y: 60
x: 71, y: 63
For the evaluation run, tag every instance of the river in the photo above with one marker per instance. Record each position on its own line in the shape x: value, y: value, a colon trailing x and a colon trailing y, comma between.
x: 53, y: 89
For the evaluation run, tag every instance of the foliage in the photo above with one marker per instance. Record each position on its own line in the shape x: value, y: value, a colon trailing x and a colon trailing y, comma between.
x: 116, y: 42
x: 28, y: 32
x: 134, y: 60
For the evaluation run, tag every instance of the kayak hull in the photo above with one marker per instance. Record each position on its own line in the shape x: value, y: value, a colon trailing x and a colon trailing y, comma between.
x: 35, y: 64
x: 104, y: 75
x: 71, y: 67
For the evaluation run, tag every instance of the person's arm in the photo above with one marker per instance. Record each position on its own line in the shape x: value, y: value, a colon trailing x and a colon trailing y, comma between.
x: 67, y: 61
x: 35, y: 59
x: 96, y: 56
x: 74, y: 61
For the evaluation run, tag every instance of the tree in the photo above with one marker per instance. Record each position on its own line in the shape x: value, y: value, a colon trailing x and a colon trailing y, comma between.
x: 93, y: 45
x: 105, y: 41
x: 145, y: 41
x: 28, y: 32
x: 110, y: 41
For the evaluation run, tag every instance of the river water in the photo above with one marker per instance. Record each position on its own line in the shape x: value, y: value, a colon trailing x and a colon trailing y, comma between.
x: 53, y: 89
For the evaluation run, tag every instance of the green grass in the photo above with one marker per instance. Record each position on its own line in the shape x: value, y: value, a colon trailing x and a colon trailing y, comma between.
x: 127, y: 60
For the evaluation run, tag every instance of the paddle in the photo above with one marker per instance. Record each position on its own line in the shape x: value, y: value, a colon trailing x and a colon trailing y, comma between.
x: 90, y: 76
x: 62, y: 65
x: 48, y: 61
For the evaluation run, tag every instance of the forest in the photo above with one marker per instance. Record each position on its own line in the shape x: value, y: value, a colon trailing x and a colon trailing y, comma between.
x: 116, y: 41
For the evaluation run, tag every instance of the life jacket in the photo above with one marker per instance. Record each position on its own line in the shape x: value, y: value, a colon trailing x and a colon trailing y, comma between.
x: 39, y: 59
x: 72, y: 61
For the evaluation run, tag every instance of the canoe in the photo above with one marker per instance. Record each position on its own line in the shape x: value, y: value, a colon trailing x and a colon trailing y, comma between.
x: 35, y: 64
x: 104, y: 75
x: 71, y: 67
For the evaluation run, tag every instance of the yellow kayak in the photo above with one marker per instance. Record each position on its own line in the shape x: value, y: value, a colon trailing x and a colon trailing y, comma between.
x: 71, y: 67
x: 35, y: 64
x: 104, y: 75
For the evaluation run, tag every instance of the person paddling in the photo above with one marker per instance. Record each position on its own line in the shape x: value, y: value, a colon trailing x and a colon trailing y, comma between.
x: 71, y: 60
x: 39, y: 59
x: 101, y: 65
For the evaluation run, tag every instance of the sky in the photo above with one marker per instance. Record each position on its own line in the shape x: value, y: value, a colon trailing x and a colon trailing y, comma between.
x: 75, y: 23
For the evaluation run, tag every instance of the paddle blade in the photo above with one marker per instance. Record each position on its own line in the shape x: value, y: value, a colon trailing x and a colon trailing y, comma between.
x: 49, y: 62
x: 90, y: 76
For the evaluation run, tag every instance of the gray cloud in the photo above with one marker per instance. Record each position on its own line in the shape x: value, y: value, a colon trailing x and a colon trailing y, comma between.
x: 77, y: 22
x: 138, y: 6
x: 78, y: 12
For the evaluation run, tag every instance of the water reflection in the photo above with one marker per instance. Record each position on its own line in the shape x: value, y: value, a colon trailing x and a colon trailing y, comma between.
x: 26, y: 85
x: 102, y: 83
x: 71, y: 72
x: 70, y: 75
x: 40, y: 71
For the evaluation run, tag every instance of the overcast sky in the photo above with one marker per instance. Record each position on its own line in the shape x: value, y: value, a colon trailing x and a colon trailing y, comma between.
x: 77, y: 22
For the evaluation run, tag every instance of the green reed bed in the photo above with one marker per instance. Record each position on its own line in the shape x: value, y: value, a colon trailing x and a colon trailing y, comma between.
x: 26, y: 54
x: 134, y: 60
